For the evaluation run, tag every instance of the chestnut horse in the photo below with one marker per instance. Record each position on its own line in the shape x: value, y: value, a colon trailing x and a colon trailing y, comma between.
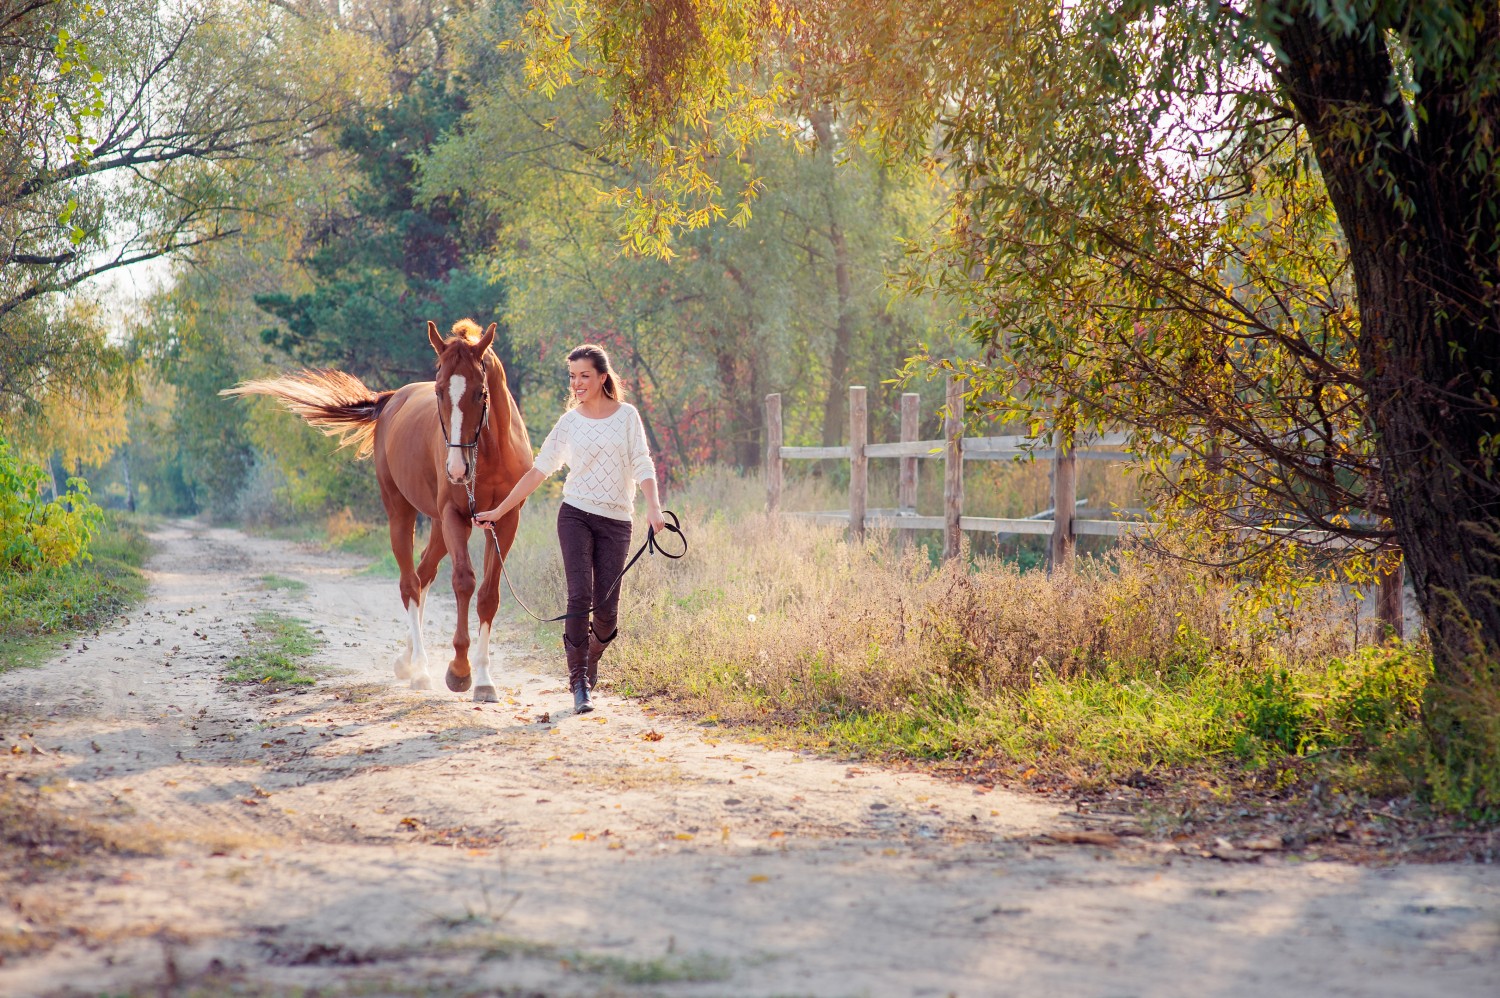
x: 437, y: 445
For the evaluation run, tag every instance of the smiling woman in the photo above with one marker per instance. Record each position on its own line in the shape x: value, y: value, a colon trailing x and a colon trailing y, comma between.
x: 603, y: 442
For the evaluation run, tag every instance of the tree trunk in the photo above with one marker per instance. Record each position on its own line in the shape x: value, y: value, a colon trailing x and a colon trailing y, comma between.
x: 1429, y: 344
x: 843, y: 331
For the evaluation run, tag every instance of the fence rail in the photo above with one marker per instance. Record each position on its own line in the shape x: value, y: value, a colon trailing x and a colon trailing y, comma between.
x: 1062, y: 528
x: 953, y: 450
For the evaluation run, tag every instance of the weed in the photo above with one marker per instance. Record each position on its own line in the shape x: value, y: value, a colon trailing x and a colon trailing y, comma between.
x: 293, y: 586
x: 278, y: 646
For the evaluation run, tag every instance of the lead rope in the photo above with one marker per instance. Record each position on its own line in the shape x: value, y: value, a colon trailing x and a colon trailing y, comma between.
x: 675, y: 526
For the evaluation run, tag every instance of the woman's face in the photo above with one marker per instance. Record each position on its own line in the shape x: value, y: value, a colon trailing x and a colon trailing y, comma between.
x: 586, y: 383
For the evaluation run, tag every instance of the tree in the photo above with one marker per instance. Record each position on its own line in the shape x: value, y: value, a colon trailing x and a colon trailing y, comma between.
x: 1082, y: 134
x: 791, y: 299
x: 136, y: 132
x: 386, y: 266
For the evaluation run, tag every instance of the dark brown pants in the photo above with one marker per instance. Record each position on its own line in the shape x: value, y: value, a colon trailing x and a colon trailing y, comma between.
x: 594, y: 548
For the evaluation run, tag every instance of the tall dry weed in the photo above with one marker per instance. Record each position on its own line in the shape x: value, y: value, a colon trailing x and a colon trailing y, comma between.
x: 779, y: 616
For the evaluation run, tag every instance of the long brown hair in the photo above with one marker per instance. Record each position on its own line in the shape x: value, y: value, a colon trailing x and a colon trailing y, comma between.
x: 614, y: 388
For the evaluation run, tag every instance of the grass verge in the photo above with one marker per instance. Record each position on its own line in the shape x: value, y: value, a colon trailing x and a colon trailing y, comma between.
x: 276, y: 656
x: 281, y: 582
x: 39, y: 609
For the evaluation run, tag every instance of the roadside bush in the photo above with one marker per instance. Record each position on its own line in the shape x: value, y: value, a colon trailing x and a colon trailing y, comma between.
x: 39, y: 604
x: 34, y: 533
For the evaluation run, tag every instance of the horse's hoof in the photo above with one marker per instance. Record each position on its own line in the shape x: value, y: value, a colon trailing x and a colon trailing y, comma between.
x: 422, y: 682
x: 401, y: 664
x: 457, y: 683
x: 486, y: 694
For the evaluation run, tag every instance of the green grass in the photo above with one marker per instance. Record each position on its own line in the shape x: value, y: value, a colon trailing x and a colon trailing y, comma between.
x: 39, y: 610
x: 279, y: 646
x: 667, y: 969
x: 293, y: 586
x: 1119, y: 722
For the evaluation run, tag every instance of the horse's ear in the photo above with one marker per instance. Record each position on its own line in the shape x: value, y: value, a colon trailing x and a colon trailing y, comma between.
x: 434, y: 337
x: 487, y: 338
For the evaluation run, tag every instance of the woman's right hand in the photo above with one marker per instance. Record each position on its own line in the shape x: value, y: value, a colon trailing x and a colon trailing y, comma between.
x: 488, y: 517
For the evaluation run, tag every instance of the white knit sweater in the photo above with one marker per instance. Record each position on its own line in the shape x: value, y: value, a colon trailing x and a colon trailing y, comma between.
x: 605, y: 458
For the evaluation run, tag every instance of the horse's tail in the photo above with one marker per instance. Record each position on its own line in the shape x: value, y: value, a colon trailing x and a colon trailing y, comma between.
x: 339, y: 404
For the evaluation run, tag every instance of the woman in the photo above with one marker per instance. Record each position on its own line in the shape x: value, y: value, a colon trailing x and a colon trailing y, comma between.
x: 602, y: 441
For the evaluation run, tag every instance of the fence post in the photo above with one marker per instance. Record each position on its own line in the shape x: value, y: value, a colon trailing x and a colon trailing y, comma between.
x: 773, y: 453
x: 859, y: 464
x: 953, y: 469
x: 1064, y: 498
x: 1390, y: 600
x: 911, y: 421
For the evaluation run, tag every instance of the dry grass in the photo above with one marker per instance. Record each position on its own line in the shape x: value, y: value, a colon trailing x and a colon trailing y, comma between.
x: 1130, y: 663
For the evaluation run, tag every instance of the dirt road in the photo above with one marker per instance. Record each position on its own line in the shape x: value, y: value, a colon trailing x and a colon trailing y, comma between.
x: 363, y: 838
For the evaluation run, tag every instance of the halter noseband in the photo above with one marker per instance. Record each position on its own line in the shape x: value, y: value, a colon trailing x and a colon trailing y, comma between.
x: 473, y: 445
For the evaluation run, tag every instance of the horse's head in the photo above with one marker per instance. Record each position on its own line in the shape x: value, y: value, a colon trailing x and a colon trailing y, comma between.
x: 462, y: 393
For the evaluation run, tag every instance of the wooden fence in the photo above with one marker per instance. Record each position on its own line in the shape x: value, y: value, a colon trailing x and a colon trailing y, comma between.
x: 953, y: 450
x: 1062, y: 528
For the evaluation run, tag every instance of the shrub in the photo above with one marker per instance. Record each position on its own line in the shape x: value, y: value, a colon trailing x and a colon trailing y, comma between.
x: 35, y: 534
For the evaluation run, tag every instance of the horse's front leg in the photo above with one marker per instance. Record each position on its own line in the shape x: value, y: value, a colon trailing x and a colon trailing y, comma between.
x: 456, y: 529
x: 489, y: 603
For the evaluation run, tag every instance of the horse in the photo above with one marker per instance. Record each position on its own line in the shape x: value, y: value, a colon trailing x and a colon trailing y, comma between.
x: 444, y: 448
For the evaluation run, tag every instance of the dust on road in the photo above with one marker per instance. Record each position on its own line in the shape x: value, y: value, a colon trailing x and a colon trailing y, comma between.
x: 364, y: 838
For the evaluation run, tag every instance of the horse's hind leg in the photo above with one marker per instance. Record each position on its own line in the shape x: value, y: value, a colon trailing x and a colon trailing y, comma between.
x: 411, y: 663
x: 489, y: 603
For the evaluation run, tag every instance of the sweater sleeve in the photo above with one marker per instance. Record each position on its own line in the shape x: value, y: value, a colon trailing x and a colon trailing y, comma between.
x: 641, y: 466
x: 556, y: 450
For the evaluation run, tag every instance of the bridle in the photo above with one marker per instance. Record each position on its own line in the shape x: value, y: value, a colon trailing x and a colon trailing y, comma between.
x: 472, y: 447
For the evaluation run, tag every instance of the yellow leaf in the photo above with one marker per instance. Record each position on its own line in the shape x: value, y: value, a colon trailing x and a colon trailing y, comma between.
x: 759, y: 878
x: 578, y: 836
x: 684, y: 836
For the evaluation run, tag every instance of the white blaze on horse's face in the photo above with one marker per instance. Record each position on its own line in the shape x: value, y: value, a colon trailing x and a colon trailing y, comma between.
x: 456, y: 385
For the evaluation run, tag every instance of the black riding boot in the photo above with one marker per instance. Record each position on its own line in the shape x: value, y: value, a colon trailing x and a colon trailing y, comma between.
x: 597, y: 647
x: 577, y: 675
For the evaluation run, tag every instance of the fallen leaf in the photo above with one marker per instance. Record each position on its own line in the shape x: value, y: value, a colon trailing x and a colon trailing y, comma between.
x: 578, y: 837
x: 652, y: 736
x: 684, y: 836
x: 759, y: 878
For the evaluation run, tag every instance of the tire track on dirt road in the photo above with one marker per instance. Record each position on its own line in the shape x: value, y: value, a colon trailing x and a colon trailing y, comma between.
x: 363, y: 838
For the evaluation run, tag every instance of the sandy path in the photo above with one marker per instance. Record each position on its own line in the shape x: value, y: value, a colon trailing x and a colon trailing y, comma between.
x: 367, y: 839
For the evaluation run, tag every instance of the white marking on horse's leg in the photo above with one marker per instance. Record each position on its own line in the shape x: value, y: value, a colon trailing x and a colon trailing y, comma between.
x: 484, y: 686
x: 401, y: 664
x: 420, y: 680
x: 456, y: 385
